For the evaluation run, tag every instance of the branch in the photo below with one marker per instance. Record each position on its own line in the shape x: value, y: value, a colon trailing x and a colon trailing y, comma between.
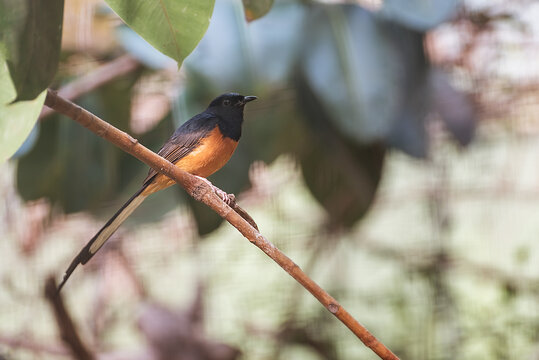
x: 203, y: 192
x: 68, y: 331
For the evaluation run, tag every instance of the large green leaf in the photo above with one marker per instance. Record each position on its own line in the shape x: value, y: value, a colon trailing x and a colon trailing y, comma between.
x: 30, y: 38
x: 16, y: 119
x: 173, y: 27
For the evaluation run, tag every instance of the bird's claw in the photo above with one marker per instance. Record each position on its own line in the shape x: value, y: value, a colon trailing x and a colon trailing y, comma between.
x: 229, y: 199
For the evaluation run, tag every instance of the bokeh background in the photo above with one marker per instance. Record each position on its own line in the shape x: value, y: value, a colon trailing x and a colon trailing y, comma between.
x: 393, y: 154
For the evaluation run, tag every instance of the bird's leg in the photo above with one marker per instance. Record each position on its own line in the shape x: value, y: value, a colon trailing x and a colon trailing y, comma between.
x: 229, y: 199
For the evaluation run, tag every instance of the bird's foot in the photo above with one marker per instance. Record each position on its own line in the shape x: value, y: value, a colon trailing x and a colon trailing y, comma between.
x: 229, y: 199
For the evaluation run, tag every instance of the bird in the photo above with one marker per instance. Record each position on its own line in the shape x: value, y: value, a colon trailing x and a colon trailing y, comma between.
x: 201, y: 146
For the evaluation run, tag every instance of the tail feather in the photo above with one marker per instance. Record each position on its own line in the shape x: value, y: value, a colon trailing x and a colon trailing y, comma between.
x: 105, y: 233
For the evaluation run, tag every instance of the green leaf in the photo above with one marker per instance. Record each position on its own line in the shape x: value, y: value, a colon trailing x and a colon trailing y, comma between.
x: 30, y: 39
x: 173, y: 27
x: 16, y: 119
x: 255, y: 9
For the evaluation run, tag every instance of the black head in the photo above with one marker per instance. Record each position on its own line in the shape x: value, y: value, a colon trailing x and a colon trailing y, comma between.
x: 230, y: 102
x: 228, y: 109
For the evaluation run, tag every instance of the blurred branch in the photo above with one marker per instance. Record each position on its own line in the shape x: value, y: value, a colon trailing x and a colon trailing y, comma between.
x: 127, y: 264
x: 67, y: 328
x: 201, y: 191
x: 95, y: 79
x: 23, y: 342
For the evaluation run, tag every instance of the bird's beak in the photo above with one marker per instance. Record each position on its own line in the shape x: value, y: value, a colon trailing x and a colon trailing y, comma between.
x: 249, y: 98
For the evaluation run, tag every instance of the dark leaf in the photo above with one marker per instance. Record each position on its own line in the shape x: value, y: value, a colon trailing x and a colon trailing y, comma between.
x: 31, y: 35
x: 342, y: 175
x: 456, y: 110
x: 408, y: 132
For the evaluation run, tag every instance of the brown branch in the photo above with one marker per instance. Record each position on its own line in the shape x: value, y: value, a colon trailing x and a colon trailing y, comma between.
x: 68, y: 331
x: 203, y: 192
x: 95, y: 79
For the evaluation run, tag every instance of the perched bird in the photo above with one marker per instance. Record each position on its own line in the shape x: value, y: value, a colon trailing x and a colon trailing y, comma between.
x: 200, y: 146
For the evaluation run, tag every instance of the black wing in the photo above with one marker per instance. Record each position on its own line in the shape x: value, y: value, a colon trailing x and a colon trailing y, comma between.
x: 185, y: 139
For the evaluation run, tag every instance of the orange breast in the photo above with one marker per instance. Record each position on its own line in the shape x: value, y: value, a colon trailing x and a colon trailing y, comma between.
x: 211, y: 154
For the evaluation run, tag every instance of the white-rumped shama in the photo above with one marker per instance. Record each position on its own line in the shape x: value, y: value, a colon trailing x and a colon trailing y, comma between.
x: 200, y: 146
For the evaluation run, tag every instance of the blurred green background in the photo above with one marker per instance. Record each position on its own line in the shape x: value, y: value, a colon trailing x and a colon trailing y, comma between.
x: 392, y: 154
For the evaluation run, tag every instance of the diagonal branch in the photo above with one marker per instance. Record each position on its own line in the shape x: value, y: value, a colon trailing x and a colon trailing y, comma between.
x: 203, y: 192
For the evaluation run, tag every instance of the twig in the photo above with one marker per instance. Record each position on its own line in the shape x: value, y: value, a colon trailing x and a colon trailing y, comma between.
x: 68, y: 331
x: 95, y: 79
x: 201, y: 191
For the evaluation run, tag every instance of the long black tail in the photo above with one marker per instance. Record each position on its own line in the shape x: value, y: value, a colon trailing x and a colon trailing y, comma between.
x: 105, y: 233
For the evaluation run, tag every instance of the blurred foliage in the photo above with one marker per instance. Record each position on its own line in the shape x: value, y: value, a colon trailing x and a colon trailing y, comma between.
x: 337, y: 85
x: 375, y: 68
x: 362, y: 76
x: 30, y: 36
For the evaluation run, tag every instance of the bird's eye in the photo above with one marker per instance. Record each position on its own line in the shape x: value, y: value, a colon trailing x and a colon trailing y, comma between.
x: 226, y: 102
